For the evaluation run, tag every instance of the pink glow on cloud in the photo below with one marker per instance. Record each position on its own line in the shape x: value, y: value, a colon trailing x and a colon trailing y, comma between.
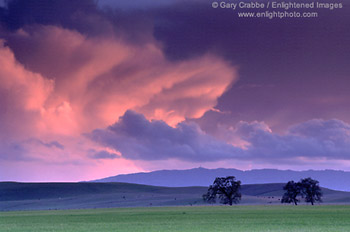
x: 23, y: 94
x: 71, y: 84
x: 98, y: 79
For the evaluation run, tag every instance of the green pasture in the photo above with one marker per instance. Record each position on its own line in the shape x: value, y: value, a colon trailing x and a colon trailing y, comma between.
x: 283, y: 218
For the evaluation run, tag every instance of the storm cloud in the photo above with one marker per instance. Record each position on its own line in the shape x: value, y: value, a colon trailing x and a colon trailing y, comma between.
x: 314, y: 139
x: 140, y: 139
x: 302, y: 62
x: 69, y: 68
x: 187, y: 82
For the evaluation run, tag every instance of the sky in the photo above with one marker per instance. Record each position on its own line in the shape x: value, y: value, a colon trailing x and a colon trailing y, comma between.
x: 90, y: 89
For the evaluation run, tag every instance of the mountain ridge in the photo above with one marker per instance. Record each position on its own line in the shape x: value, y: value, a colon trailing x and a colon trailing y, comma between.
x: 333, y: 179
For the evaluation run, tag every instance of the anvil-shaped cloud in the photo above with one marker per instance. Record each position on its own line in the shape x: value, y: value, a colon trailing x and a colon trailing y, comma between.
x: 60, y: 83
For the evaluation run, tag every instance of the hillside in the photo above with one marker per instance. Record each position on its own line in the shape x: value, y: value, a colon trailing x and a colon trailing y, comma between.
x: 40, y: 196
x: 338, y: 180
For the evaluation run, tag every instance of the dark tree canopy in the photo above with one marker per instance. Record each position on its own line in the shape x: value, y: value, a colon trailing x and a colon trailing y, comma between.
x: 307, y: 188
x: 227, y: 189
x: 292, y: 191
x: 310, y: 190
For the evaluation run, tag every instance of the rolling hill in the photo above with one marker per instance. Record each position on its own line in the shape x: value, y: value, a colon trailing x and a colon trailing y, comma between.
x: 44, y: 196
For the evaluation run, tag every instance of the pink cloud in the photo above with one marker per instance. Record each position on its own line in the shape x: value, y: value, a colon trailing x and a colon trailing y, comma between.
x: 98, y: 79
x: 66, y: 84
x: 23, y: 94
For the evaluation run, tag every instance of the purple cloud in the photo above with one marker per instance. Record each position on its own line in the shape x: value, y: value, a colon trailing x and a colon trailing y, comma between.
x: 316, y: 138
x: 51, y: 144
x: 102, y: 155
x: 139, y: 139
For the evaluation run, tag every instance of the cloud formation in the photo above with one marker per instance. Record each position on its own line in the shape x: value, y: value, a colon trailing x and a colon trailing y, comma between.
x: 286, y: 76
x: 97, y: 79
x: 140, y: 139
x: 58, y: 82
x: 50, y: 144
x: 314, y: 139
x: 23, y: 93
x: 69, y: 67
x: 93, y: 154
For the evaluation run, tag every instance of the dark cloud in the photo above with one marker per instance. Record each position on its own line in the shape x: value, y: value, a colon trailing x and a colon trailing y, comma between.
x: 194, y: 28
x: 314, y: 139
x: 84, y: 16
x: 139, y: 139
x: 136, y: 4
x: 102, y: 155
x: 291, y: 70
x: 51, y: 144
x: 334, y: 129
x: 18, y: 13
x: 54, y: 144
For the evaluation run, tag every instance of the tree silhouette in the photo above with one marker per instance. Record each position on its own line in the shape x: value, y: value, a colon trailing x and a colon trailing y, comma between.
x: 311, y: 190
x: 292, y: 191
x: 306, y: 188
x: 227, y: 189
x: 208, y: 197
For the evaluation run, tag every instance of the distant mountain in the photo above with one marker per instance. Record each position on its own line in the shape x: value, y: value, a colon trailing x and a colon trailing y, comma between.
x: 338, y: 180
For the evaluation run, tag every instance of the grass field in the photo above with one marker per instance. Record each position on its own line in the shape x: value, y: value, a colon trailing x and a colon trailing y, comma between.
x: 322, y: 218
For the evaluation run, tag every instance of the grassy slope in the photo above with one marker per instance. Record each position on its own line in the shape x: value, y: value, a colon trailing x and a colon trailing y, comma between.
x: 39, y: 196
x: 184, y: 219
